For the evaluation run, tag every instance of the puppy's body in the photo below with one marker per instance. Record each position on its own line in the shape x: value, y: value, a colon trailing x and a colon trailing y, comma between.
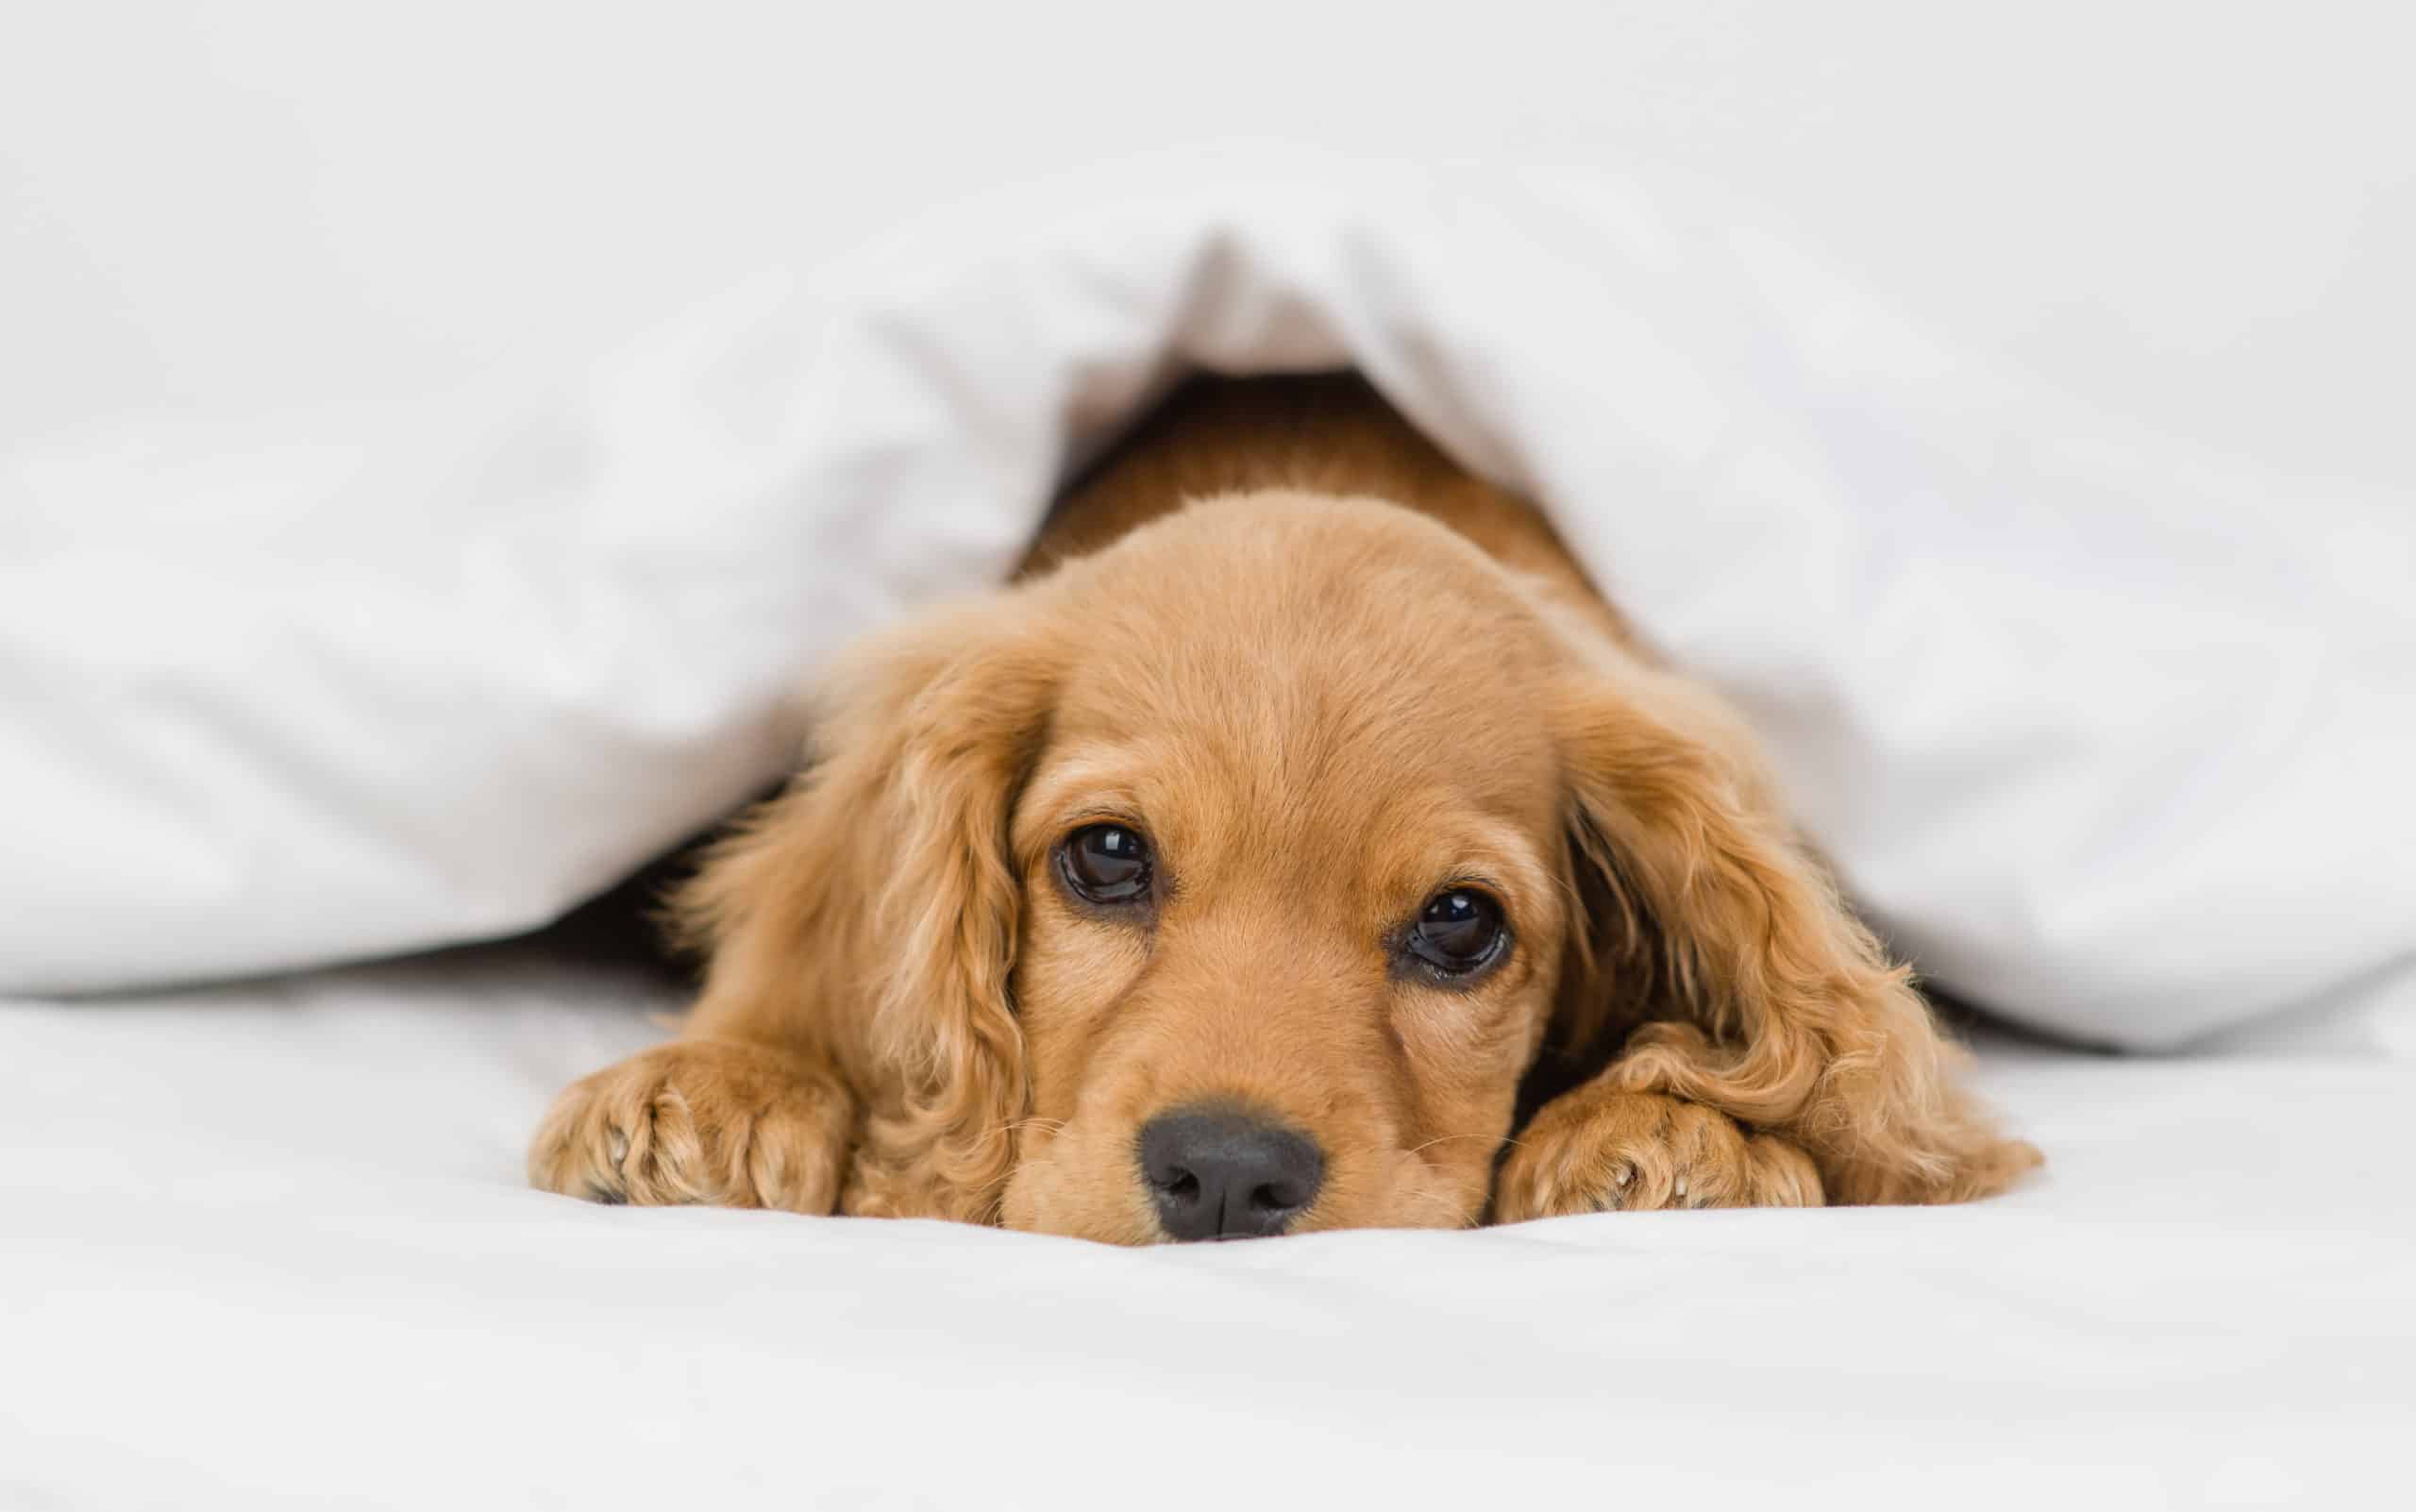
x: 1234, y: 871
x: 1322, y: 436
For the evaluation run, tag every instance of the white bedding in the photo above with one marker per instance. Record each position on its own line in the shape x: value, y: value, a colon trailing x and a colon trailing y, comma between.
x: 269, y: 1245
x: 2107, y: 729
x: 436, y: 440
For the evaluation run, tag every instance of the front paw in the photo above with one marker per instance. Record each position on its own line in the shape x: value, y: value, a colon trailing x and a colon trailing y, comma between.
x: 1596, y: 1151
x: 698, y: 1121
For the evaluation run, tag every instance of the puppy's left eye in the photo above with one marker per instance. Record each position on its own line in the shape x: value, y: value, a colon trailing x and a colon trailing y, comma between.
x: 1458, y: 932
x: 1106, y: 863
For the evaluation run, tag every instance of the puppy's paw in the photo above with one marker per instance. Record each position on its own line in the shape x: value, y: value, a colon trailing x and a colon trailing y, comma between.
x: 1595, y: 1150
x: 698, y: 1121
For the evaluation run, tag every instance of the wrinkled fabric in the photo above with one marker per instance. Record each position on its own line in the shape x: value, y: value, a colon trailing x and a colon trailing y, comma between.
x: 2107, y: 738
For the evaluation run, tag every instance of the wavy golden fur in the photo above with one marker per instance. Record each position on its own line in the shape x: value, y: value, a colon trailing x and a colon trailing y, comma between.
x: 1331, y: 678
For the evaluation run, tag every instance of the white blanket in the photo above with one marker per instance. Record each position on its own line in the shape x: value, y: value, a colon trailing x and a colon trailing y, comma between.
x: 269, y: 1245
x: 2111, y: 732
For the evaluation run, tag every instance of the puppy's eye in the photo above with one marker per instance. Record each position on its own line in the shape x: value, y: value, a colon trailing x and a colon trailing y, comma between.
x: 1458, y: 932
x: 1106, y: 863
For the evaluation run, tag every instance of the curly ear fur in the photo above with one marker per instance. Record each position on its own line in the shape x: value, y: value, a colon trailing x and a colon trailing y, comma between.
x: 1769, y: 1001
x: 868, y: 917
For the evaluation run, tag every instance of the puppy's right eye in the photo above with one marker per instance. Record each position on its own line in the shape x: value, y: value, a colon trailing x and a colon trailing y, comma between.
x: 1106, y: 863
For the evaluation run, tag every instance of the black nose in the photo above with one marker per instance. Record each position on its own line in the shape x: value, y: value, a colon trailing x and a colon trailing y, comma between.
x: 1226, y: 1175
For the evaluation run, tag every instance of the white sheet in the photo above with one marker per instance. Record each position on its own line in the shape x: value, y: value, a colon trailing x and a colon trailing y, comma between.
x: 268, y: 1246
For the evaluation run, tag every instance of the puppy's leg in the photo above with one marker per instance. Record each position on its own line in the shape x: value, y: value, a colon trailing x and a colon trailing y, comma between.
x: 1599, y: 1148
x: 712, y: 1122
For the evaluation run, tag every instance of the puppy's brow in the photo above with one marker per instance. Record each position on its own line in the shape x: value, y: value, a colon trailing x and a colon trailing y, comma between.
x: 1072, y: 794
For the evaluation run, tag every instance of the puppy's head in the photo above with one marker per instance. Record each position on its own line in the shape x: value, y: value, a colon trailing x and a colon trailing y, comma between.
x: 1289, y: 861
x: 1220, y: 884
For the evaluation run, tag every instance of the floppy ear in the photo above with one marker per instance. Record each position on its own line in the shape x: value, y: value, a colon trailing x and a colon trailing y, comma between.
x: 868, y: 916
x: 1771, y: 1002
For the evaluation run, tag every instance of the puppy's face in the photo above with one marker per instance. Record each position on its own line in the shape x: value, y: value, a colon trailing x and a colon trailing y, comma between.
x: 1293, y: 872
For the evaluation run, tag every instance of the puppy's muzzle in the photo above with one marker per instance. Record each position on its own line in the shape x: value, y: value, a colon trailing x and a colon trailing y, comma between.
x: 1219, y: 1173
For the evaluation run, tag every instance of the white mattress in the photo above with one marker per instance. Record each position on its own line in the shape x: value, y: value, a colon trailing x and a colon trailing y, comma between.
x: 269, y: 1245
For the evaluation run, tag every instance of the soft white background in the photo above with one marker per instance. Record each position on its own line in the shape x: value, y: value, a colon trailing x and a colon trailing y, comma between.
x: 2196, y: 215
x: 268, y: 1243
x: 2192, y: 214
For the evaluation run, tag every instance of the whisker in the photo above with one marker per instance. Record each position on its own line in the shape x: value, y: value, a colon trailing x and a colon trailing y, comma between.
x: 1514, y: 1144
x: 1439, y: 1139
x: 1005, y: 1130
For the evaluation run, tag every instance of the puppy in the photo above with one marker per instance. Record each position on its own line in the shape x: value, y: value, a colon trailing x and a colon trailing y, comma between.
x: 1235, y: 871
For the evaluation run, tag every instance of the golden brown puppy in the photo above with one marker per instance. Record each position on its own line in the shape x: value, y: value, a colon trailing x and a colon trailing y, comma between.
x: 1233, y: 873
